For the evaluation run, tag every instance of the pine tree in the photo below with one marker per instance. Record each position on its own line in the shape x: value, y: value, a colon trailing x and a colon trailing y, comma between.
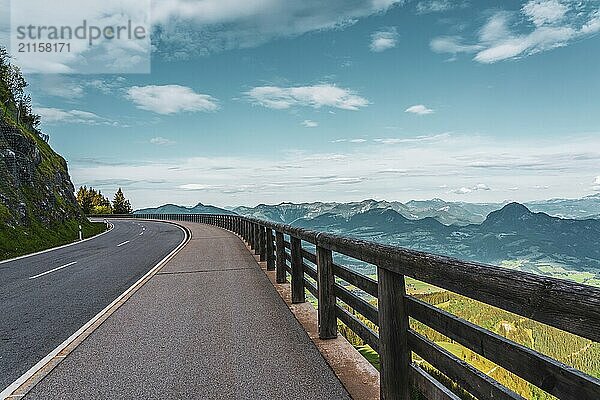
x: 120, y: 204
x: 85, y: 199
x: 93, y: 202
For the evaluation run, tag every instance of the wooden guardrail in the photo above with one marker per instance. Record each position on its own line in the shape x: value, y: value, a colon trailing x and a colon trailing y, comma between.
x: 566, y: 305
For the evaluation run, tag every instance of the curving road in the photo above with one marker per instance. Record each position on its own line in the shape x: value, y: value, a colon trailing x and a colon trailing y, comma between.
x: 45, y: 298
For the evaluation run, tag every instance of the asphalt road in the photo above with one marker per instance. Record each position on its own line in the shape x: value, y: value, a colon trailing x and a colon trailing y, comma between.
x: 45, y: 298
x: 209, y: 325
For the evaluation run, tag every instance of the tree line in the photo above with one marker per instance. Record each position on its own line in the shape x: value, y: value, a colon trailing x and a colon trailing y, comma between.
x: 15, y: 101
x: 92, y: 201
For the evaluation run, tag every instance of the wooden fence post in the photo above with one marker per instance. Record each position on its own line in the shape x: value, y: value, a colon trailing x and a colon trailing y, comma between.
x: 257, y: 239
x: 280, y: 258
x: 263, y: 243
x: 270, y: 250
x: 394, y: 354
x: 252, y: 236
x: 326, y: 282
x: 297, y: 271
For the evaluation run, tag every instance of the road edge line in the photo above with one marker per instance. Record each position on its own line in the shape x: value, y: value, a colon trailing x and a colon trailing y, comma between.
x: 110, y: 228
x: 42, y: 368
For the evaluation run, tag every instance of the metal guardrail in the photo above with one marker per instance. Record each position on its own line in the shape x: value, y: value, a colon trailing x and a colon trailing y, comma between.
x: 566, y: 305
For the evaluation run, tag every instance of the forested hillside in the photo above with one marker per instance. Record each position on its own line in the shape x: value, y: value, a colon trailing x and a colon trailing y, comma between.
x: 567, y: 348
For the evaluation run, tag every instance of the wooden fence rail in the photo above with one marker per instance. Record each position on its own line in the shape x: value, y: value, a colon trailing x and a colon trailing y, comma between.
x: 565, y: 305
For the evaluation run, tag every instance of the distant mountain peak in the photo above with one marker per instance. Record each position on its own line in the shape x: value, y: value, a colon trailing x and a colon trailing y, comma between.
x: 509, y: 214
x: 515, y: 207
x: 176, y: 209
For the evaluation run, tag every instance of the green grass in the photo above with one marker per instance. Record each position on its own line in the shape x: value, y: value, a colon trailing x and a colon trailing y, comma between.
x: 414, y: 287
x: 557, y: 271
x: 370, y: 354
x: 4, y: 213
x: 15, y: 242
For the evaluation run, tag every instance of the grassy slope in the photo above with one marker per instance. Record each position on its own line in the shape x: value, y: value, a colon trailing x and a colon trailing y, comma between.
x: 33, y: 236
x: 19, y: 241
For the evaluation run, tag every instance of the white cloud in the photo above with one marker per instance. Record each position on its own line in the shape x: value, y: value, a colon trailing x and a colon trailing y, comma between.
x: 467, y: 190
x: 596, y: 184
x: 540, y: 25
x: 355, y: 141
x: 307, y: 123
x: 53, y: 116
x: 104, y: 56
x: 434, y: 6
x: 170, y: 99
x: 542, y: 12
x: 419, y: 109
x: 56, y: 86
x: 106, y: 86
x: 402, y: 172
x: 161, y: 141
x: 71, y: 87
x: 452, y: 45
x: 592, y: 26
x: 418, y: 139
x: 5, y: 21
x: 384, y: 39
x: 189, y: 28
x: 323, y: 95
x: 500, y: 44
x: 462, y: 190
x: 194, y: 186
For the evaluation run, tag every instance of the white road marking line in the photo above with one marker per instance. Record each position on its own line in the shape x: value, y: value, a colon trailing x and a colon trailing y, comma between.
x: 38, y: 368
x: 125, y: 242
x: 52, y: 270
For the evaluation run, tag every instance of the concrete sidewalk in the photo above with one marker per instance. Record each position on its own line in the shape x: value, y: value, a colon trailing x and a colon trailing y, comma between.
x: 209, y: 325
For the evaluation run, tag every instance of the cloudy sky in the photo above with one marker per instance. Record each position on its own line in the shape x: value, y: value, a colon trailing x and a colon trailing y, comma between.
x: 267, y: 101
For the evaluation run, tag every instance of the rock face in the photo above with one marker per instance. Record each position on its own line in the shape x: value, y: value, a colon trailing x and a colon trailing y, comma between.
x: 34, y: 181
x: 19, y: 154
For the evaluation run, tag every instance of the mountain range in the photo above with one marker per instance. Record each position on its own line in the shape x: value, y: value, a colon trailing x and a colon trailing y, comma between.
x: 175, y: 209
x: 448, y: 213
x: 564, y: 244
x: 513, y: 236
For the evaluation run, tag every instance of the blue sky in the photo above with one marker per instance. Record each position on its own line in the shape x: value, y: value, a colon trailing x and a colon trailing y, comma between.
x: 264, y: 101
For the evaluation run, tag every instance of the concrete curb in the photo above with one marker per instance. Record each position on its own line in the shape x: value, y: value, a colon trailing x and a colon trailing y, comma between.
x: 35, y: 374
